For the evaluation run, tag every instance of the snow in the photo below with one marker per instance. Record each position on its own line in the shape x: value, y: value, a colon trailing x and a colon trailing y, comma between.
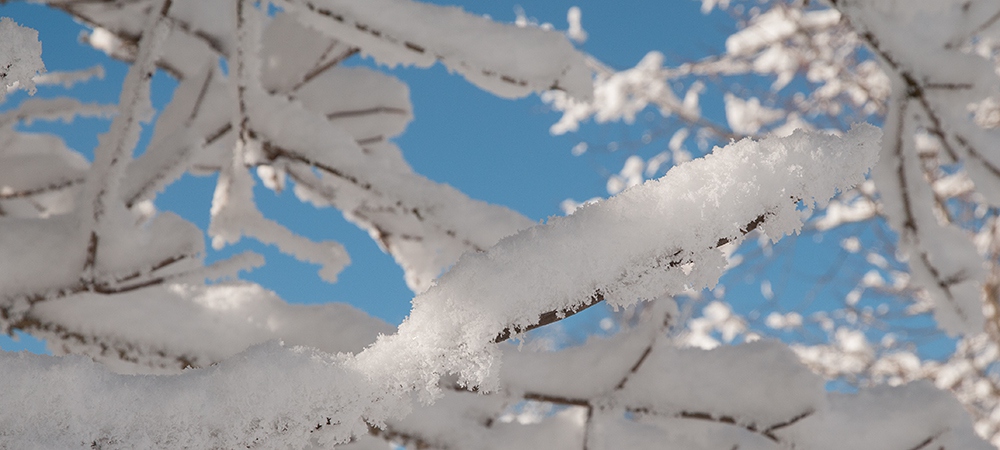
x: 100, y: 214
x: 717, y: 317
x: 46, y: 241
x: 70, y: 78
x: 201, y: 324
x: 468, y: 420
x: 887, y: 417
x: 402, y: 32
x: 617, y: 97
x: 754, y: 395
x: 176, y: 135
x: 421, y: 223
x: 575, y: 31
x: 235, y: 215
x: 20, y: 57
x: 846, y: 210
x: 937, y: 253
x: 375, y: 105
x: 105, y: 40
x: 673, y: 381
x: 65, y: 109
x: 605, y: 361
x: 543, y: 269
x: 668, y: 432
x: 768, y: 27
x: 289, y: 51
x: 34, y: 162
x: 141, y: 305
x: 268, y: 395
x: 746, y: 117
x: 380, y: 186
x: 637, y: 390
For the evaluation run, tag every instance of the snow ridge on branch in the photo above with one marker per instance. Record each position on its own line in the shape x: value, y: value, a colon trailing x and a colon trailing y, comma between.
x: 520, y: 61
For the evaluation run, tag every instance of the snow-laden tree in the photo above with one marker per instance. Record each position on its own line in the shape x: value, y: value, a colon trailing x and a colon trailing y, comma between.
x: 919, y: 239
x: 159, y: 353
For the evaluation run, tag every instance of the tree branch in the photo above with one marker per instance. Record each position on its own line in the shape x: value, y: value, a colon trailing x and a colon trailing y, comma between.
x: 671, y: 261
x: 51, y: 187
x: 115, y: 150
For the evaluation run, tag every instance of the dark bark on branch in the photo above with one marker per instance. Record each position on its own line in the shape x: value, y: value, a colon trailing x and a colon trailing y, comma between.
x: 366, y: 112
x: 411, y: 46
x: 119, y: 155
x: 323, y: 67
x: 275, y: 152
x: 768, y: 431
x: 103, y: 346
x: 926, y: 442
x: 51, y: 187
x: 407, y: 440
x: 916, y: 91
x: 155, y: 180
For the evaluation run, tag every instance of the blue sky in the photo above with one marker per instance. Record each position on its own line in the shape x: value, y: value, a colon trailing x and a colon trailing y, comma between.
x: 492, y: 149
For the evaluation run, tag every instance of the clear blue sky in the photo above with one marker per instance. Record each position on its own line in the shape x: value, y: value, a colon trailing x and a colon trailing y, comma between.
x: 492, y: 149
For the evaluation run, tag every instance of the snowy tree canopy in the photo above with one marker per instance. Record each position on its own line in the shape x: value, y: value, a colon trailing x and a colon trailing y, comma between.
x: 157, y: 349
x: 918, y: 241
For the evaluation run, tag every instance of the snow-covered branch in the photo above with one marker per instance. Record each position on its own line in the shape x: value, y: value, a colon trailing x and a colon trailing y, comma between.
x: 929, y: 94
x: 459, y: 338
x: 101, y: 190
x: 478, y: 299
x: 20, y: 57
x: 519, y: 61
x: 88, y: 263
